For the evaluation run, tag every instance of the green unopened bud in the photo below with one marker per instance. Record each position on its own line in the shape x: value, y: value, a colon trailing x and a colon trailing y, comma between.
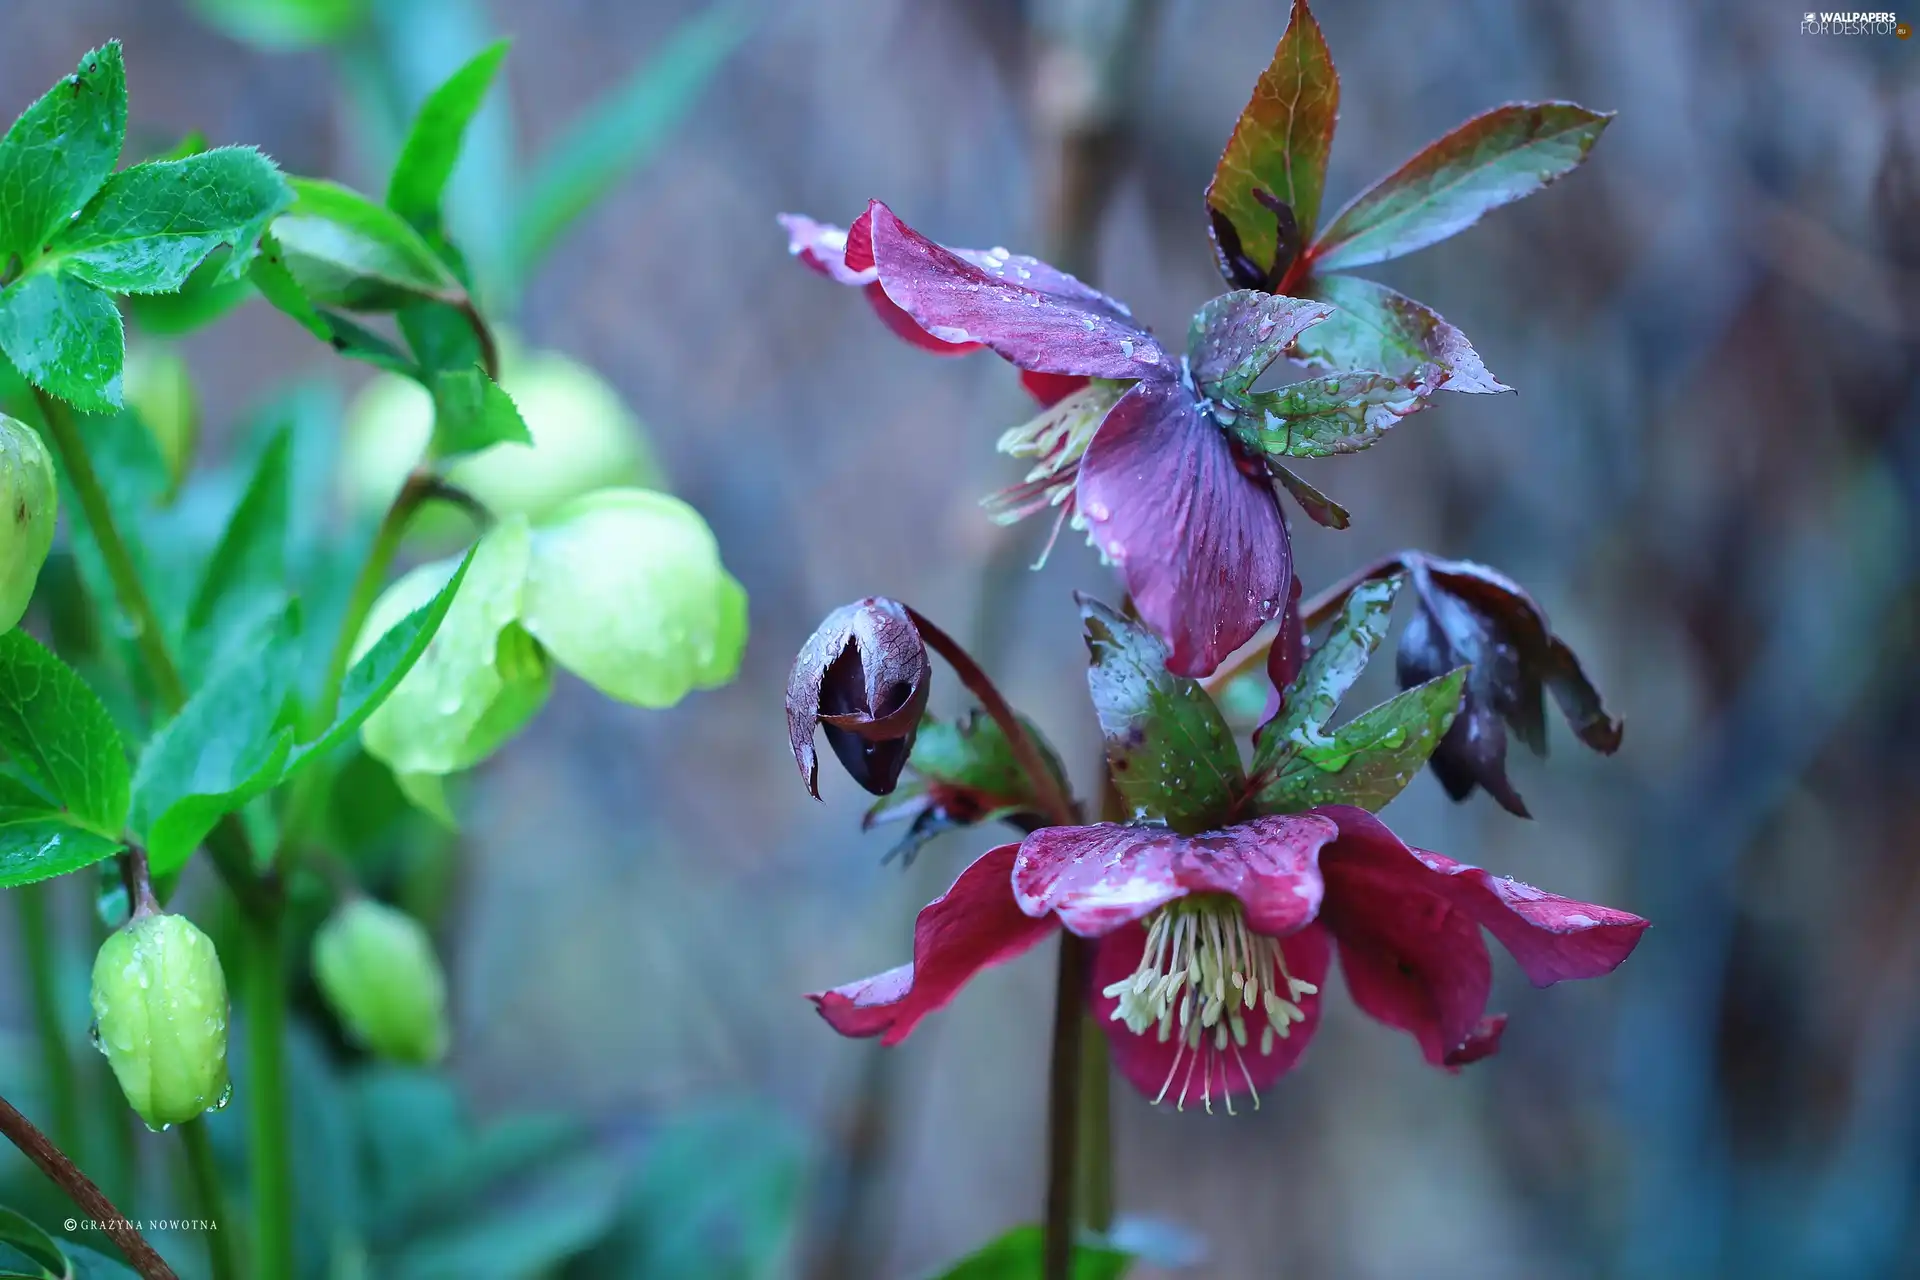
x: 156, y: 386
x: 481, y: 679
x: 160, y: 1016
x: 376, y: 967
x: 584, y: 438
x: 626, y: 590
x: 28, y: 504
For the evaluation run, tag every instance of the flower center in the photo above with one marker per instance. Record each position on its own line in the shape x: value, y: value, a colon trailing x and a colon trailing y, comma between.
x: 1202, y: 976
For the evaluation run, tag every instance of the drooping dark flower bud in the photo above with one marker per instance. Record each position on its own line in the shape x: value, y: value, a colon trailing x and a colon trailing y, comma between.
x: 160, y: 1016
x: 863, y: 677
x: 1467, y: 613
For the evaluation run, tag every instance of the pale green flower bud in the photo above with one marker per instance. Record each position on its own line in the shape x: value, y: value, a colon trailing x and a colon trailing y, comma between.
x: 376, y: 967
x: 156, y: 385
x: 481, y: 679
x: 626, y: 590
x: 160, y: 1017
x: 29, y: 502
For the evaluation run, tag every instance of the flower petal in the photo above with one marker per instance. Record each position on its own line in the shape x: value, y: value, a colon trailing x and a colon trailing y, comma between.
x: 1050, y: 388
x: 1413, y: 959
x: 1045, y: 321
x: 1148, y: 1063
x: 1552, y: 938
x: 1201, y: 544
x: 1100, y: 877
x: 825, y: 248
x: 971, y: 926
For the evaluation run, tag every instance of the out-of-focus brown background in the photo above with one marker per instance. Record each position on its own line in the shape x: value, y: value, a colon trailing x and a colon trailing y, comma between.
x: 1710, y: 476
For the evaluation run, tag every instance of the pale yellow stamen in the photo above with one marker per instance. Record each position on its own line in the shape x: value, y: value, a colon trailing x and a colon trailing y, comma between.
x: 1203, y: 969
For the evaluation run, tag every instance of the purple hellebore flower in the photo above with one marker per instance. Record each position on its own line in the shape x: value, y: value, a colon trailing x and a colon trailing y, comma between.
x: 1192, y: 522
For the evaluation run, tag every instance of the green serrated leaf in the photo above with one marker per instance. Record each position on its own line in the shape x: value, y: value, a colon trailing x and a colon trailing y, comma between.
x: 973, y: 753
x: 1281, y: 141
x: 151, y: 225
x: 1018, y: 1255
x: 1170, y: 751
x: 64, y: 336
x: 1370, y: 759
x: 433, y: 144
x: 1491, y: 160
x: 58, y: 153
x: 346, y: 251
x: 383, y: 665
x: 1336, y: 663
x: 228, y: 744
x: 1236, y: 336
x: 246, y: 573
x: 620, y: 132
x: 1343, y: 413
x: 441, y: 337
x: 40, y: 848
x: 56, y: 729
x: 471, y: 413
x: 1373, y: 327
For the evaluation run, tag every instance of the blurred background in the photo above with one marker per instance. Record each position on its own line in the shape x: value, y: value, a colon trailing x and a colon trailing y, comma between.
x: 1709, y: 476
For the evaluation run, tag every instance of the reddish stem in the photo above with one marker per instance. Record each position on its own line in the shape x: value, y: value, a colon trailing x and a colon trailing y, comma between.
x: 53, y: 1162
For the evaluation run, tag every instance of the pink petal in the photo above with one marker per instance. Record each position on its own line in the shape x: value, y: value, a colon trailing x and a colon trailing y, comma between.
x: 827, y: 249
x: 1146, y: 1061
x: 1201, y: 545
x: 1484, y: 1042
x: 1413, y: 960
x: 904, y: 326
x: 1050, y: 323
x: 1552, y: 938
x: 1101, y: 877
x: 973, y: 925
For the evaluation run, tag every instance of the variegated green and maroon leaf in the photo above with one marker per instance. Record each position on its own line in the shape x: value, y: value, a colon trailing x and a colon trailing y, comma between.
x: 1279, y: 147
x: 1491, y: 160
x: 1373, y: 327
x: 1341, y: 413
x: 1236, y: 336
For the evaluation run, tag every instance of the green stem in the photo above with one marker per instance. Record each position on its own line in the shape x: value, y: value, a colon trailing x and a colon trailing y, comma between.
x: 64, y: 435
x: 42, y: 962
x: 209, y: 1199
x: 268, y: 1139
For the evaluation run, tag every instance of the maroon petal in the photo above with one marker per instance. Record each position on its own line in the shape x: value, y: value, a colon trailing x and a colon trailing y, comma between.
x: 1201, y: 544
x: 825, y: 248
x: 1147, y: 1062
x: 1552, y: 938
x: 1050, y: 388
x: 1413, y: 960
x: 973, y: 925
x: 1484, y: 1042
x: 1100, y: 877
x: 1048, y: 322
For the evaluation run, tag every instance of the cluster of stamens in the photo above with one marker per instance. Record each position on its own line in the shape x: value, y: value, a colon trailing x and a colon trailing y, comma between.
x: 1202, y: 976
x: 1056, y: 438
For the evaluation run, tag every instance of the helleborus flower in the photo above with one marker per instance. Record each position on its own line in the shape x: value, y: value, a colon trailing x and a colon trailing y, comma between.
x: 622, y: 587
x: 863, y: 677
x: 1148, y: 451
x: 29, y: 502
x: 376, y: 967
x: 584, y: 438
x: 1213, y: 948
x: 481, y: 679
x: 160, y: 1016
x: 625, y: 588
x: 1468, y: 613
